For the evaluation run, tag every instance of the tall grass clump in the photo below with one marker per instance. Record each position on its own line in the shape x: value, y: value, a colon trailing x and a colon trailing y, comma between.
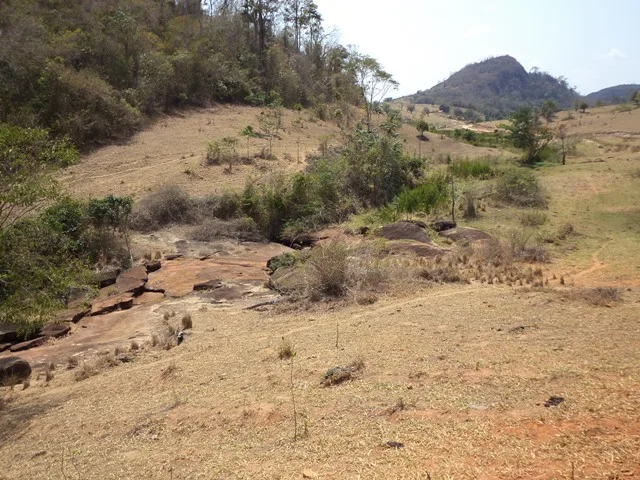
x: 170, y: 204
x: 471, y: 169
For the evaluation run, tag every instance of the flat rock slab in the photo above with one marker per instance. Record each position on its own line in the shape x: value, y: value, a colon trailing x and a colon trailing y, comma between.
x: 122, y: 301
x: 404, y: 231
x: 153, y: 266
x: 72, y: 315
x: 420, y: 249
x: 36, y: 342
x: 148, y: 298
x: 55, y: 330
x: 132, y: 280
x: 178, y: 277
x: 465, y: 233
x: 5, y: 346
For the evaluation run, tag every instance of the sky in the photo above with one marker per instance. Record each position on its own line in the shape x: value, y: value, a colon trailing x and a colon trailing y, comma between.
x: 594, y: 44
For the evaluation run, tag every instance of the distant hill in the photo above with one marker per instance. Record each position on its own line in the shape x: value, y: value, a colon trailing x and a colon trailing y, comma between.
x: 612, y: 95
x: 496, y: 87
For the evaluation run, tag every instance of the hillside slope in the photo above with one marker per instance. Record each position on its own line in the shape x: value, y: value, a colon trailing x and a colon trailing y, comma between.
x: 497, y: 86
x: 612, y: 95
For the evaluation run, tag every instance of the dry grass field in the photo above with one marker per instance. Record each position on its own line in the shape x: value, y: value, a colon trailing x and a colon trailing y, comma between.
x: 458, y: 375
x: 173, y: 149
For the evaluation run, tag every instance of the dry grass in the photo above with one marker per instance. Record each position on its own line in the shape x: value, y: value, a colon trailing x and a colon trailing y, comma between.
x: 479, y: 396
x: 596, y: 296
x: 286, y: 350
x: 187, y: 321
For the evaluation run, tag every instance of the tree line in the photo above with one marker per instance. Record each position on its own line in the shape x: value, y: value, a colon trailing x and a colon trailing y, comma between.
x: 95, y: 70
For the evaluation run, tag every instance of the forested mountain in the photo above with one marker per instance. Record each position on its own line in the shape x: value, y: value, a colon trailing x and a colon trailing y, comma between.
x: 496, y: 87
x: 612, y: 95
x: 94, y: 69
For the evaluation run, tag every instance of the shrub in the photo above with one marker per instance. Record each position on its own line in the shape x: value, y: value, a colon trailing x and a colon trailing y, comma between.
x: 533, y: 219
x: 434, y: 193
x: 328, y: 269
x: 187, y: 322
x: 520, y: 244
x: 521, y: 188
x: 471, y: 168
x: 222, y: 151
x: 286, y: 350
x: 170, y: 204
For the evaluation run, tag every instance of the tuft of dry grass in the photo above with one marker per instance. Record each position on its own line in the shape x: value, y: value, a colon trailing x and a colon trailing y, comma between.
x: 341, y: 374
x: 286, y: 350
x: 596, y: 296
x: 187, y: 322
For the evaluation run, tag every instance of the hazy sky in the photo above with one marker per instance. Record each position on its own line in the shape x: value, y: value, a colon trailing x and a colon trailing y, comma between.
x: 593, y: 43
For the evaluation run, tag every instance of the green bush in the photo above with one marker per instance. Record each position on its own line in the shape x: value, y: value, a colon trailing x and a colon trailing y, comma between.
x: 471, y: 169
x: 427, y: 198
x: 242, y: 229
x: 521, y: 188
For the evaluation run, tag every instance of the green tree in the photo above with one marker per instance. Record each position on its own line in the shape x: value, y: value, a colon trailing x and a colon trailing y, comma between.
x: 374, y: 82
x: 527, y: 132
x: 549, y: 110
x: 422, y: 126
x: 444, y: 108
x: 28, y: 160
x: 635, y: 98
x: 584, y: 106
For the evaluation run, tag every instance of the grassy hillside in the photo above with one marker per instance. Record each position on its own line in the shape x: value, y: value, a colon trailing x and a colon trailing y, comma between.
x: 496, y: 87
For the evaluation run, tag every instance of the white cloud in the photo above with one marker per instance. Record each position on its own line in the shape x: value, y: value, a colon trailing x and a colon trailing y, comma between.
x: 614, y: 53
x: 490, y: 7
x: 476, y: 30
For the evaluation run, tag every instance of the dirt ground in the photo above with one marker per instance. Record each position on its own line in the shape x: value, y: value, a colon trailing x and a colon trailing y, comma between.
x: 458, y: 375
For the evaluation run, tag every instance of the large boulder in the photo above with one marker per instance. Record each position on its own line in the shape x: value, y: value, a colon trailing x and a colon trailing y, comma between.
x: 442, y: 225
x: 14, y: 370
x: 107, y: 277
x: 404, y: 231
x: 8, y: 333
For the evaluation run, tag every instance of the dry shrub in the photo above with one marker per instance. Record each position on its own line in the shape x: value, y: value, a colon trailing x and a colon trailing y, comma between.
x: 521, y: 247
x: 72, y: 362
x: 168, y: 205
x: 442, y: 274
x: 366, y: 299
x: 134, y: 346
x: 533, y: 218
x: 243, y: 229
x: 335, y: 269
x: 286, y: 350
x: 564, y: 231
x: 187, y: 322
x: 598, y: 296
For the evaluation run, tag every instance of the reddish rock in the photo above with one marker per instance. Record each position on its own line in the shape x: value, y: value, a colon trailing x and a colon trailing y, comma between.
x: 72, y: 315
x: 153, y: 266
x: 36, y: 342
x: 107, y: 277
x: 132, y: 280
x: 148, y: 298
x: 55, y: 330
x: 122, y: 301
x: 208, y: 285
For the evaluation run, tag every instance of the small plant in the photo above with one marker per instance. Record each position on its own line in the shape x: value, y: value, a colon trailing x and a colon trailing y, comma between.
x: 187, y: 322
x: 169, y: 370
x: 533, y: 219
x: 134, y: 346
x: 72, y: 362
x: 286, y: 350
